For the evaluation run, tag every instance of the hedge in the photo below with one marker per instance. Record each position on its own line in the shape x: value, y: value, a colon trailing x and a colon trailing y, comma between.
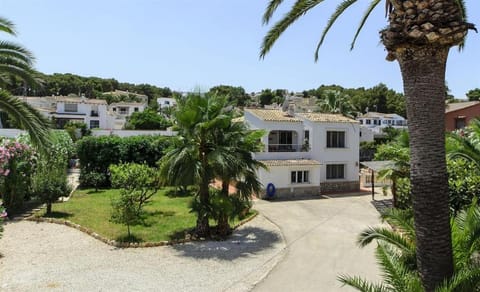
x: 96, y: 154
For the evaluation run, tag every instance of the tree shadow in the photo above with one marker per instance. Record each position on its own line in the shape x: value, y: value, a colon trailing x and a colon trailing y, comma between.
x: 132, y: 238
x: 99, y: 191
x: 243, y: 242
x: 382, y: 205
x: 59, y: 215
x: 174, y: 193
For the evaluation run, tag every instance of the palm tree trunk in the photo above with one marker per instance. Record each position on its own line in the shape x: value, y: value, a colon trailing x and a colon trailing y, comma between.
x: 203, y: 228
x: 223, y: 227
x: 423, y: 72
x: 394, y: 192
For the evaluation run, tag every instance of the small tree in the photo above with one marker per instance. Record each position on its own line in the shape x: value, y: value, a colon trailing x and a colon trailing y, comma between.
x: 138, y: 183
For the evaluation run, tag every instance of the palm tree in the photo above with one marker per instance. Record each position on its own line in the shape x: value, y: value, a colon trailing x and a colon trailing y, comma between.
x: 335, y: 102
x: 197, y: 118
x: 16, y: 63
x: 419, y: 36
x: 234, y: 164
x: 396, y: 253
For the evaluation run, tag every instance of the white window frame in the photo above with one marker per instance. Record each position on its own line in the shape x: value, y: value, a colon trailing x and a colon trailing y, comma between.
x: 304, y: 176
x: 68, y: 107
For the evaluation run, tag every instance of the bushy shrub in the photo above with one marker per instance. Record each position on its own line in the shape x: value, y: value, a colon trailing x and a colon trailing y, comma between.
x: 96, y: 154
x: 137, y: 183
x: 17, y: 164
x: 50, y: 179
x: 463, y: 183
x: 77, y: 130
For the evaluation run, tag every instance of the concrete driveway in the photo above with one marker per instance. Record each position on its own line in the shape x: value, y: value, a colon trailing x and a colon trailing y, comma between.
x: 321, y: 243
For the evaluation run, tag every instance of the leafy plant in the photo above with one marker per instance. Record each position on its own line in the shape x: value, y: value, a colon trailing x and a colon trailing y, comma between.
x: 138, y: 183
x: 77, y: 130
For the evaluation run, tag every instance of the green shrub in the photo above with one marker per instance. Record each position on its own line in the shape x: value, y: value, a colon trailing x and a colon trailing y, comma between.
x: 93, y: 178
x: 96, y: 154
x: 77, y: 130
x: 138, y: 183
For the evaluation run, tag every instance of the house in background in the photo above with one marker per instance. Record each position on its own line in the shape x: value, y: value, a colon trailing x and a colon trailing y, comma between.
x: 372, y: 124
x: 96, y: 113
x: 164, y: 102
x: 119, y: 112
x: 306, y: 153
x: 459, y: 114
x: 92, y: 112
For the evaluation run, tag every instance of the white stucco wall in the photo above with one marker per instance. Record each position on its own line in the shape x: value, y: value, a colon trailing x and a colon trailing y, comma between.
x: 280, y: 176
x: 367, y: 134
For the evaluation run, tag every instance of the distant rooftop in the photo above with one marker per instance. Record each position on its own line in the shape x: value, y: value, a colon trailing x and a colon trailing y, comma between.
x: 451, y: 107
x: 273, y: 115
x: 79, y: 100
x: 378, y: 115
x: 327, y: 118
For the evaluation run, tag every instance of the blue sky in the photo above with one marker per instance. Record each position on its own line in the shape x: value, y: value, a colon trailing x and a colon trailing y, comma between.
x: 189, y: 44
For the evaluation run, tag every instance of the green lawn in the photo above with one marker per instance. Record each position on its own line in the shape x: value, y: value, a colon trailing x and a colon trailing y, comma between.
x: 167, y: 217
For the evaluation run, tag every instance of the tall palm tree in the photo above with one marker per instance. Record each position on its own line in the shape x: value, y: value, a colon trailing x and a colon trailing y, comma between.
x: 197, y: 118
x: 16, y: 63
x: 234, y: 164
x: 419, y: 36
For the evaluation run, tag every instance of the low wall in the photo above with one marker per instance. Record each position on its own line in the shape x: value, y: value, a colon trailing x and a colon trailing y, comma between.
x: 129, y: 133
x: 341, y: 186
x: 290, y: 193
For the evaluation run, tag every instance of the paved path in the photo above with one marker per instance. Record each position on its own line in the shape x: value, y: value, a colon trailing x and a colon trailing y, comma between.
x: 51, y: 257
x: 320, y: 236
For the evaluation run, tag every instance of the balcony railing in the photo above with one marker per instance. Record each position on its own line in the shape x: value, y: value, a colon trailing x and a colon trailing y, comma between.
x: 288, y: 147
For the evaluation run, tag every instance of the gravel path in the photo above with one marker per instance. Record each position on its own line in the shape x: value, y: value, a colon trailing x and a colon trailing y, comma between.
x: 51, y: 257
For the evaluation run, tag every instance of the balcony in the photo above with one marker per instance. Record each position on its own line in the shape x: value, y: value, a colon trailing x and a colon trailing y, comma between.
x: 287, y: 148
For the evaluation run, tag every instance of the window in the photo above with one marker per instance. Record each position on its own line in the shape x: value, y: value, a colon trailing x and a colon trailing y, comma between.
x: 299, y: 177
x: 167, y: 102
x: 307, y: 134
x: 368, y: 122
x: 285, y: 138
x: 123, y: 110
x: 135, y: 109
x: 71, y: 107
x: 335, y: 139
x: 459, y: 123
x: 94, y: 124
x: 361, y: 122
x: 335, y: 171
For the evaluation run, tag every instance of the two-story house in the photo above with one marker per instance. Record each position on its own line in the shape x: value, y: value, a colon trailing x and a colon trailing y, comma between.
x: 373, y: 124
x: 92, y: 112
x: 165, y: 102
x: 306, y: 153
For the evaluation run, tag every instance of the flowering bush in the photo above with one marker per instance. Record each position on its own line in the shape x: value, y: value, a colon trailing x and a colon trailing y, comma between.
x: 17, y: 164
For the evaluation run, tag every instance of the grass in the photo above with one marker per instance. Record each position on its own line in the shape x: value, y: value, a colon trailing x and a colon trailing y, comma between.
x: 167, y: 217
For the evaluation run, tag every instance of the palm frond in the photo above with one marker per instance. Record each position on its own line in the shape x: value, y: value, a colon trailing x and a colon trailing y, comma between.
x: 16, y: 51
x: 365, y: 16
x: 361, y: 284
x: 467, y: 279
x: 402, y: 220
x: 299, y: 9
x: 271, y: 8
x: 30, y: 119
x: 7, y: 26
x: 386, y: 235
x: 344, y: 5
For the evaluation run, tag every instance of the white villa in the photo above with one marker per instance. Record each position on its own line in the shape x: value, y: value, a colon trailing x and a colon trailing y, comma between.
x: 96, y: 113
x: 306, y: 153
x: 164, y: 102
x: 373, y: 123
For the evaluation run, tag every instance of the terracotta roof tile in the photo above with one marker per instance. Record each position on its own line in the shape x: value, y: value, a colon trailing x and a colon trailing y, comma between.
x: 273, y: 116
x: 460, y: 105
x: 327, y: 118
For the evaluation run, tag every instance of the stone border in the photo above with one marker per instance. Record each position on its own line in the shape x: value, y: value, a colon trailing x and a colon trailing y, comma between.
x: 125, y: 244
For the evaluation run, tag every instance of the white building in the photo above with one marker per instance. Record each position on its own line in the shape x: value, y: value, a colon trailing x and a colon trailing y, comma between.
x: 376, y: 122
x: 92, y: 112
x: 96, y: 113
x: 164, y: 102
x: 306, y: 153
x: 119, y: 112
